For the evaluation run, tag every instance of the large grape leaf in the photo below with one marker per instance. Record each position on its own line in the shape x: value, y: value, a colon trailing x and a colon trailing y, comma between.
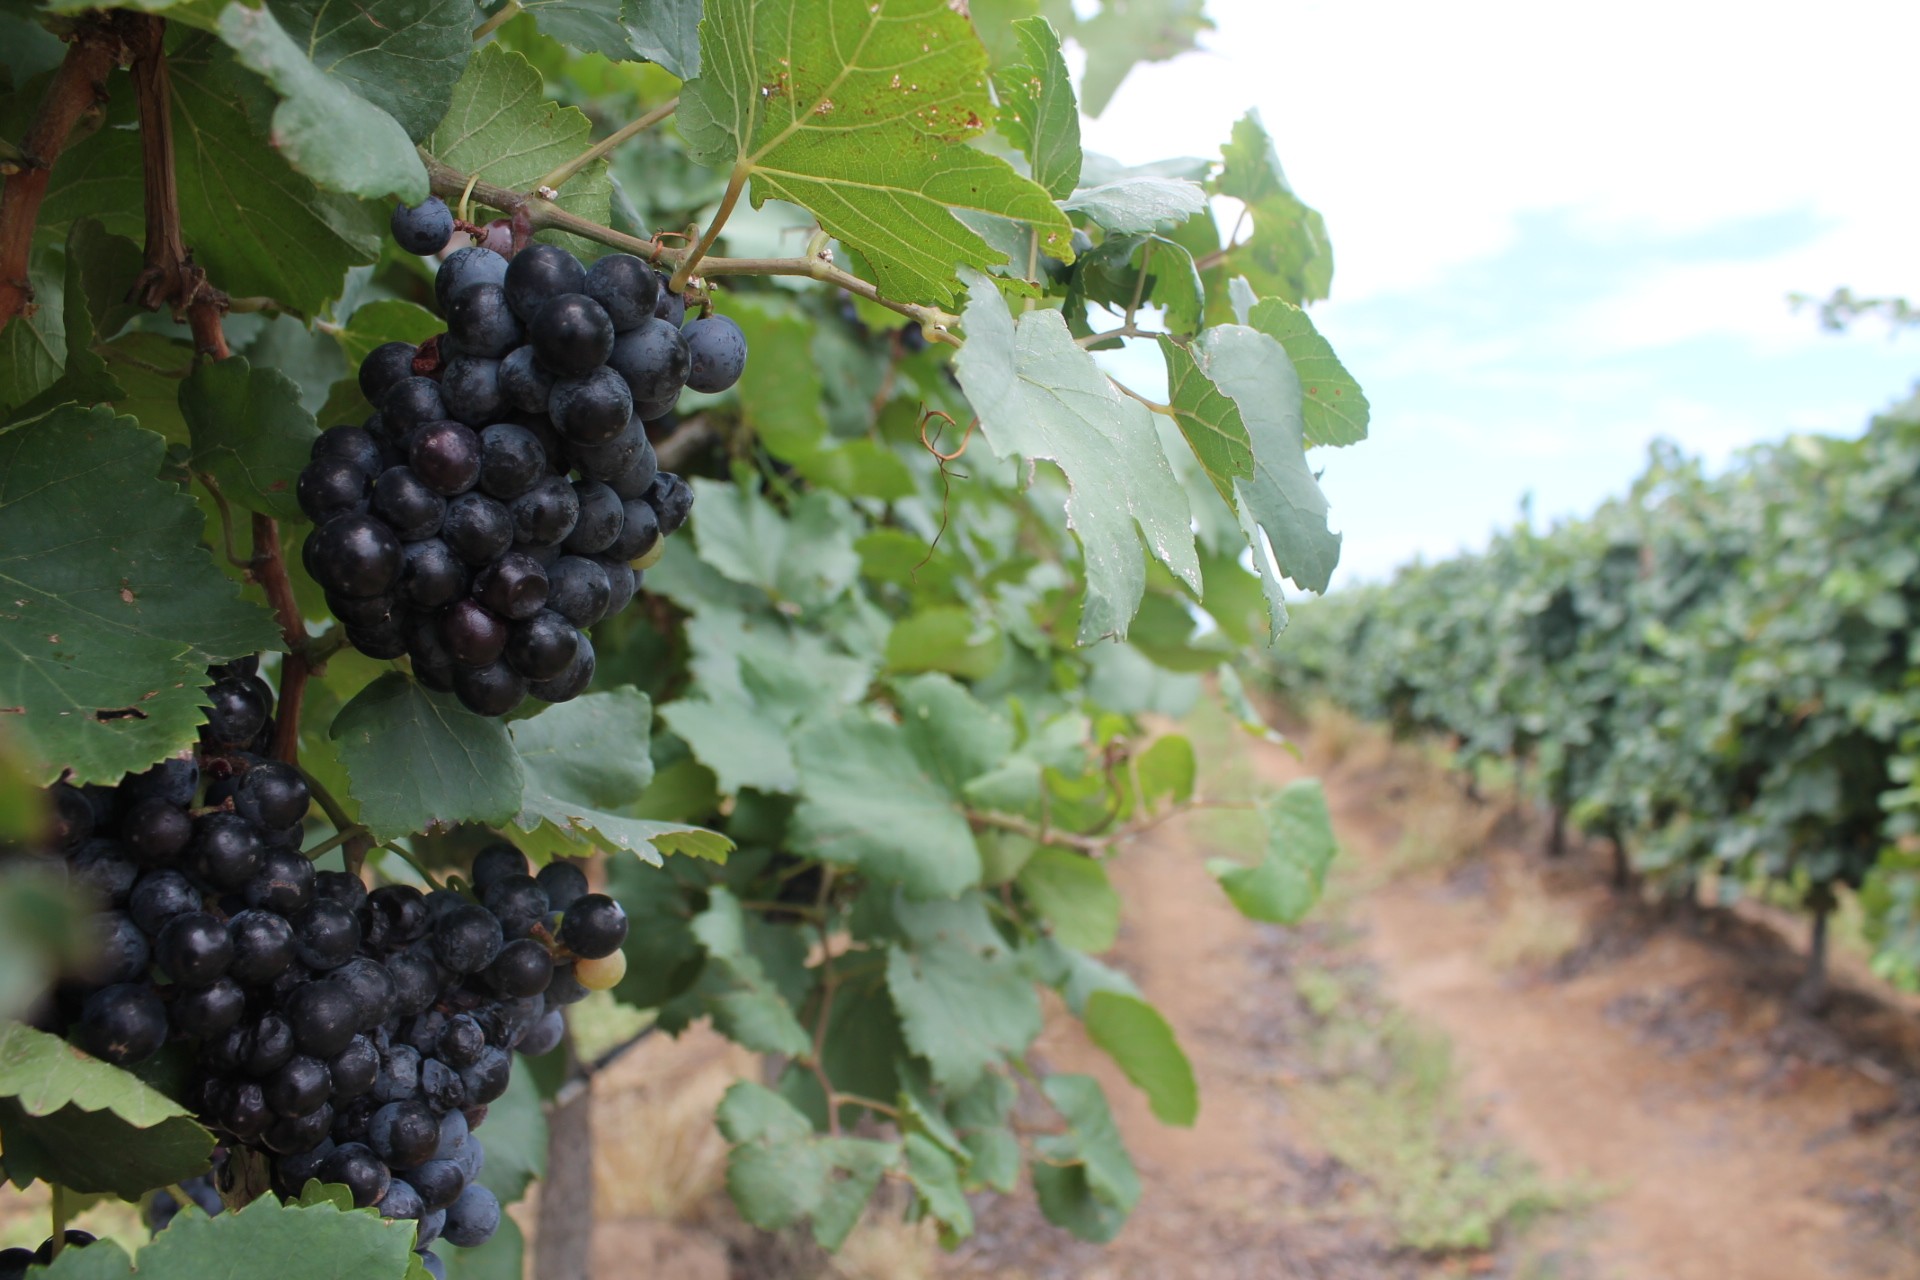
x: 110, y: 609
x: 257, y: 226
x: 1333, y: 409
x: 249, y: 433
x: 1037, y: 110
x: 502, y: 127
x: 69, y: 1118
x: 328, y: 131
x: 779, y: 1171
x: 1289, y: 255
x: 1040, y: 396
x: 870, y: 800
x: 804, y: 558
x: 306, y: 1242
x: 1084, y: 1178
x: 860, y: 112
x: 1136, y: 204
x: 965, y: 1000
x: 401, y: 55
x: 936, y: 1178
x: 33, y: 347
x: 586, y: 764
x: 1073, y: 895
x: 1237, y: 400
x: 419, y: 760
x: 666, y: 32
x: 593, y: 26
x: 1127, y: 32
x: 1142, y: 1044
x: 1283, y: 886
x: 747, y: 1007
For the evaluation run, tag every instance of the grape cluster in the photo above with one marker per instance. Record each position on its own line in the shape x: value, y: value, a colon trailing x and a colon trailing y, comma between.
x: 350, y: 1035
x: 505, y: 497
x: 14, y: 1262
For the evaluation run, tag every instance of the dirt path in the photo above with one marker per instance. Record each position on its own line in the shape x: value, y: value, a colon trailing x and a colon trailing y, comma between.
x: 1652, y: 1072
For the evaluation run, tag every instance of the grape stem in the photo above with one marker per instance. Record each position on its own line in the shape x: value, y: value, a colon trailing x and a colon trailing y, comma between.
x: 507, y: 13
x: 558, y: 178
x: 736, y: 183
x: 269, y: 569
x: 355, y: 850
x: 1127, y: 330
x: 61, y: 1214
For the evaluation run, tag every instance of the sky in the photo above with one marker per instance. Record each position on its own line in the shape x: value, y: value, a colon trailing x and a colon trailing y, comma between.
x: 1561, y: 232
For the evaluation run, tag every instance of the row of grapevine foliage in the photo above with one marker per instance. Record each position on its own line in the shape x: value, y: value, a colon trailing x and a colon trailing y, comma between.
x: 1716, y: 672
x: 858, y: 755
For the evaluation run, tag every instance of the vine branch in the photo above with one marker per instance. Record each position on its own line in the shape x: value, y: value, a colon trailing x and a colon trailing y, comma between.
x: 79, y: 87
x: 558, y: 178
x: 736, y: 183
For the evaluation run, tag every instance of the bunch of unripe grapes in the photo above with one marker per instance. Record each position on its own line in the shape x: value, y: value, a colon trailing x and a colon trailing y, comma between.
x: 349, y: 1034
x: 505, y: 497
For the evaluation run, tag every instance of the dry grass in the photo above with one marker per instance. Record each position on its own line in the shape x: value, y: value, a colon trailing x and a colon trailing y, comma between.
x: 1443, y: 828
x: 1338, y: 739
x: 657, y: 1152
x: 1534, y: 931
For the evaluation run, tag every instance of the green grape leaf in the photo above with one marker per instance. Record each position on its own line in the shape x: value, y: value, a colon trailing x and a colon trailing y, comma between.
x: 256, y: 224
x: 1237, y: 400
x: 110, y: 609
x: 1138, y: 205
x: 586, y: 766
x: 592, y: 26
x: 33, y: 348
x: 311, y: 1242
x: 1289, y: 255
x: 1285, y: 884
x: 1110, y: 275
x: 663, y: 956
x: 958, y: 736
x: 419, y: 761
x: 965, y: 1000
x: 776, y: 1173
x: 868, y: 800
x: 1333, y: 409
x: 325, y: 129
x: 1072, y: 892
x: 1128, y: 32
x: 666, y: 32
x: 1041, y: 397
x: 737, y: 740
x: 860, y: 112
x: 1084, y: 1178
x: 69, y: 1118
x: 403, y: 56
x: 1142, y: 1045
x: 860, y: 1164
x: 105, y: 267
x: 85, y: 379
x: 945, y: 638
x: 249, y: 433
x: 1037, y: 111
x: 516, y: 1137
x: 805, y: 557
x: 503, y: 128
x: 780, y: 390
x: 980, y: 1116
x: 747, y: 1007
x: 936, y: 1180
x: 1167, y: 768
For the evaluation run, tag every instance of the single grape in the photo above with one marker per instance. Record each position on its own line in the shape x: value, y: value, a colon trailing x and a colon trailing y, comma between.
x: 517, y: 901
x: 299, y: 1087
x: 542, y: 647
x: 159, y: 896
x: 594, y: 926
x: 639, y: 530
x: 423, y: 228
x: 602, y: 974
x: 120, y: 951
x: 487, y: 1078
x: 593, y: 408
x: 636, y: 477
x: 511, y: 460
x: 470, y: 387
x: 467, y: 939
x: 272, y: 794
x: 226, y: 851
x: 353, y: 1069
x: 342, y: 887
x: 474, y: 635
x: 473, y: 1218
x: 565, y: 989
x: 367, y: 611
x: 498, y: 861
x: 104, y: 868
x: 572, y: 682
x: 324, y: 1016
x: 193, y: 950
x: 235, y: 713
x: 432, y: 661
x: 625, y: 287
x: 441, y: 1087
x: 397, y: 916
x: 385, y: 365
x: 122, y: 1024
x: 284, y: 884
x: 545, y: 1036
x: 329, y: 487
x: 622, y: 582
x: 360, y: 1171
x: 525, y: 384
x: 399, y: 1077
x: 292, y: 1170
x: 242, y: 1110
x: 482, y: 323
x: 513, y: 587
x: 654, y: 360
x: 571, y: 334
x: 578, y: 590
x: 431, y: 575
x: 672, y: 501
x: 432, y: 1263
x: 613, y: 457
x: 325, y: 936
x: 408, y: 405
x: 492, y: 690
x: 465, y: 267
x: 599, y: 521
x: 546, y: 512
x: 372, y: 988
x: 267, y: 1045
x: 405, y: 503
x: 355, y: 446
x: 716, y: 353
x: 523, y: 968
x: 438, y: 1181
x: 355, y: 555
x: 402, y: 1201
x: 563, y: 882
x: 540, y: 272
x: 210, y: 1010
x: 175, y: 781
x: 461, y: 1041
x: 670, y: 306
x: 446, y: 457
x: 477, y: 528
x: 403, y: 1134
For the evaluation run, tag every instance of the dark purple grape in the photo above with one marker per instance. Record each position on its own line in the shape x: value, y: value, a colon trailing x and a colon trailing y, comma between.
x: 511, y: 460
x: 175, y: 781
x: 517, y: 901
x: 639, y: 531
x: 299, y: 1087
x: 672, y: 501
x: 474, y: 635
x: 622, y: 582
x: 353, y: 1069
x: 353, y: 445
x: 470, y: 387
x: 372, y: 988
x: 545, y: 513
x: 593, y: 408
x: 546, y: 1035
x: 104, y: 868
x: 563, y: 882
x: 226, y: 851
x: 156, y: 832
x: 578, y: 590
x: 385, y: 365
x: 636, y: 477
x: 235, y: 712
x: 543, y: 646
x: 329, y: 487
x: 432, y: 660
x: 404, y: 1134
x: 487, y: 1078
x: 324, y: 1016
x: 360, y: 1171
x: 523, y: 968
x: 120, y: 951
x: 423, y: 228
x: 716, y: 353
x: 496, y: 862
x: 122, y: 1024
x: 477, y: 528
x: 408, y: 405
x: 625, y: 287
x: 565, y: 989
x: 572, y: 682
x: 481, y: 322
x: 599, y: 521
x: 209, y: 1010
x: 571, y: 334
x: 402, y: 1201
x: 465, y: 267
x: 594, y: 926
x: 467, y: 939
x: 513, y: 587
x: 407, y: 505
x: 461, y: 1042
x: 654, y: 360
x: 446, y: 457
x: 432, y: 574
x: 397, y: 914
x: 355, y: 555
x: 273, y: 795
x: 416, y: 982
x: 284, y: 884
x: 439, y: 1182
x: 670, y: 306
x: 193, y: 949
x: 370, y: 611
x: 325, y: 936
x: 295, y: 1135
x: 523, y: 382
x: 539, y: 272
x: 159, y: 896
x: 242, y: 1110
x: 492, y: 690
x: 342, y: 887
x: 262, y: 946
x: 399, y: 1076
x: 441, y: 1086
